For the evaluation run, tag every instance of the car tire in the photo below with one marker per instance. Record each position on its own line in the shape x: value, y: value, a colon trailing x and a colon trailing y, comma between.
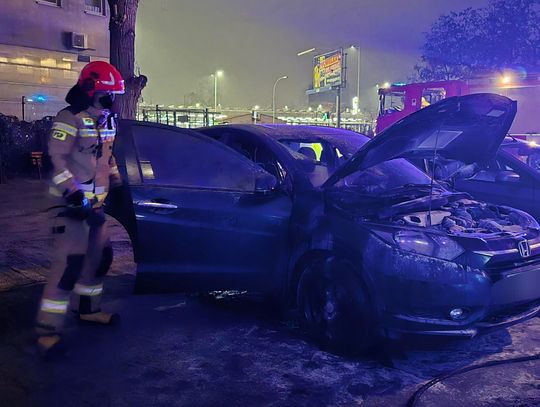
x: 334, y: 307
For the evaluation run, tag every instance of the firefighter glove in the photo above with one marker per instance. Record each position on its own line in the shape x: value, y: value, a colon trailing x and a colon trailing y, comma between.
x: 77, y: 206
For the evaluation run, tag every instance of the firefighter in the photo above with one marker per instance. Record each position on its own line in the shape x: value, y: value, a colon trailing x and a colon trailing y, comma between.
x: 80, y: 147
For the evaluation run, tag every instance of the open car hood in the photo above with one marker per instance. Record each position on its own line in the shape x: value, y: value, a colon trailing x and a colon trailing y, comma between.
x: 466, y: 128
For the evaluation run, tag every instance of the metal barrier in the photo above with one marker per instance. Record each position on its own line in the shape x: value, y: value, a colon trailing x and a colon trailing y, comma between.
x: 187, y: 118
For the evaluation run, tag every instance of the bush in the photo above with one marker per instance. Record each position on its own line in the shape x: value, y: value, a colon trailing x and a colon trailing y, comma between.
x: 18, y: 139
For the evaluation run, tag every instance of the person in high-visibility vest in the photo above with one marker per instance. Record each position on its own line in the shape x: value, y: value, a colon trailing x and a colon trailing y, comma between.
x: 80, y: 147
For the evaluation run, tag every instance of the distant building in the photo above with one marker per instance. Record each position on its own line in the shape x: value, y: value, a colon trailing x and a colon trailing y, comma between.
x: 43, y: 46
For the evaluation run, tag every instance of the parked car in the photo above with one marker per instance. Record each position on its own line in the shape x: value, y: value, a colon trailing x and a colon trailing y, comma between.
x: 511, y: 178
x: 343, y: 227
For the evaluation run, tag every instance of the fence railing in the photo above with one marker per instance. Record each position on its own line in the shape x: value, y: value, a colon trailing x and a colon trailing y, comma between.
x: 188, y: 118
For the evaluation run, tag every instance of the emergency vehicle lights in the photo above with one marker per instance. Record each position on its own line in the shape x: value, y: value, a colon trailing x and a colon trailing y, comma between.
x: 506, y: 79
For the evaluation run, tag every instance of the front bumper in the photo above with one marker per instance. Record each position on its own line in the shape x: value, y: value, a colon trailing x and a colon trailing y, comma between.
x: 481, y: 327
x: 415, y: 295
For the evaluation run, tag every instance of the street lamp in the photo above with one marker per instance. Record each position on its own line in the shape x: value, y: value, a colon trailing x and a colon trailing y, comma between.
x: 357, y: 48
x: 274, y: 97
x: 217, y: 74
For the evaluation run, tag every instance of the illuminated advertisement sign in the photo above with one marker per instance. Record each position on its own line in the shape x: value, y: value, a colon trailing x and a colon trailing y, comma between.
x: 328, y: 70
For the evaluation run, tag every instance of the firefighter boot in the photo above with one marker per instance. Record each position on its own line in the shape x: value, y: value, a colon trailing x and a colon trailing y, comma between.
x: 99, y: 318
x: 50, y: 346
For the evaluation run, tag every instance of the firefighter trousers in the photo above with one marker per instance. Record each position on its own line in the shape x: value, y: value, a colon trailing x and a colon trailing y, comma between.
x: 81, y: 257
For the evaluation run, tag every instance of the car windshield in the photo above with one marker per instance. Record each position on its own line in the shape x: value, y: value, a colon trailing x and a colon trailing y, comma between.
x: 526, y: 152
x: 319, y: 158
x: 387, y: 177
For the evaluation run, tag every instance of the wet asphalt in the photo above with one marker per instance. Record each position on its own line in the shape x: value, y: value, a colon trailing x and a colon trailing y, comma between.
x: 179, y: 350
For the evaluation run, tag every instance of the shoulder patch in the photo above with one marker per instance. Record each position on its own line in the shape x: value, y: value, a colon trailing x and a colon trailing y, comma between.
x: 59, y: 135
x: 88, y: 121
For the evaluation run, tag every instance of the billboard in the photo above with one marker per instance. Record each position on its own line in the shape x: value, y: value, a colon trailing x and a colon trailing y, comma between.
x: 328, y: 70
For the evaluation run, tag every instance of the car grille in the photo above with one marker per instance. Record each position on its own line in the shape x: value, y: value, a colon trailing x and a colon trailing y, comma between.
x: 497, y: 269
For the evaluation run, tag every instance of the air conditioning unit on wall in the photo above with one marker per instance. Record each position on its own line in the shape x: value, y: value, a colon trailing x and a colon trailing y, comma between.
x: 78, y: 40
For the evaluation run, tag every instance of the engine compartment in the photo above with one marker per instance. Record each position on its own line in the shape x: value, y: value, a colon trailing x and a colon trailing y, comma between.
x: 466, y: 217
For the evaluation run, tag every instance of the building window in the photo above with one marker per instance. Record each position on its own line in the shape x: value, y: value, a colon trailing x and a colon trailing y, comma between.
x: 95, y: 7
x: 57, y: 3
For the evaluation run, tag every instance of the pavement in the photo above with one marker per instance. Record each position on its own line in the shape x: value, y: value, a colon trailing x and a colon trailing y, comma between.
x: 225, y: 350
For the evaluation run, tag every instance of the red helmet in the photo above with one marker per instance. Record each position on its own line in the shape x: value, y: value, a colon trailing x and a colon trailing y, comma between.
x: 100, y: 76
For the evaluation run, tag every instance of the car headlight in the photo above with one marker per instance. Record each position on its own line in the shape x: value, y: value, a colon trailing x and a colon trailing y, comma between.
x: 441, y: 247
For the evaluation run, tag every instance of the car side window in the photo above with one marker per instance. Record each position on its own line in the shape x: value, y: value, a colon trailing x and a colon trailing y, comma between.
x: 174, y: 158
x: 254, y: 151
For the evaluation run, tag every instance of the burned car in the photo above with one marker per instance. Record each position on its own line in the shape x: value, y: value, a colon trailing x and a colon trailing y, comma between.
x: 342, y: 227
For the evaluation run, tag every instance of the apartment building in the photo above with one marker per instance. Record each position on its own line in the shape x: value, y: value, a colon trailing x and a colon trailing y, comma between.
x: 43, y: 46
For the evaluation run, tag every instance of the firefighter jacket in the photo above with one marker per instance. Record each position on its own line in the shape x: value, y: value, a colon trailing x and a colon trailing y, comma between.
x: 80, y: 148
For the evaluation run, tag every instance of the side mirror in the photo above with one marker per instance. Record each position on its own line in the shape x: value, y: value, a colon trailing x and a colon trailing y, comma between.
x: 265, y: 184
x: 507, y: 177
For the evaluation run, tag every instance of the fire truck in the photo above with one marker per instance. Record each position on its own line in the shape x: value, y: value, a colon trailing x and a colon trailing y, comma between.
x: 399, y: 99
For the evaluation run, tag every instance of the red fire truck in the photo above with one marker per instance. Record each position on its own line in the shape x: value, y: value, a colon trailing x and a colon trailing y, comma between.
x: 399, y: 100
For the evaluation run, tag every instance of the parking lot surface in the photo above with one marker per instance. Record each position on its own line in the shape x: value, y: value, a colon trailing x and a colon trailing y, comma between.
x: 229, y: 350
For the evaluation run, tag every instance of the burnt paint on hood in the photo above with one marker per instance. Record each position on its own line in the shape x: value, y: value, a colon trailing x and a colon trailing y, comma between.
x: 466, y: 128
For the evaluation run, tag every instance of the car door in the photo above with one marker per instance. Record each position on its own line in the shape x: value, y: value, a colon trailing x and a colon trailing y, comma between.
x: 502, y: 182
x: 207, y: 218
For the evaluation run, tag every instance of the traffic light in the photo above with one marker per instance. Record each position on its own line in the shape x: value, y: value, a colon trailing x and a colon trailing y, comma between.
x: 326, y: 116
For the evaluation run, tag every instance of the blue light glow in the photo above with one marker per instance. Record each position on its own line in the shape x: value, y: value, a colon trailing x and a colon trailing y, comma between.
x: 40, y: 98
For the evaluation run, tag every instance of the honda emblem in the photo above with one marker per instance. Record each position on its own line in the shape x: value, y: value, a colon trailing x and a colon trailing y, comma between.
x: 524, y: 248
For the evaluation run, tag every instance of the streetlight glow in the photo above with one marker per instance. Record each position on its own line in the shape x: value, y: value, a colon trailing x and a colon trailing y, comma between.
x: 274, y: 97
x: 307, y: 51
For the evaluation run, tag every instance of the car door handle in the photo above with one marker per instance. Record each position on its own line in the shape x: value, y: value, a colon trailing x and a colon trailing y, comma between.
x: 157, y: 205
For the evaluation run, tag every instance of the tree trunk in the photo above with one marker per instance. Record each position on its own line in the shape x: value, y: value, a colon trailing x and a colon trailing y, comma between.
x: 122, y: 43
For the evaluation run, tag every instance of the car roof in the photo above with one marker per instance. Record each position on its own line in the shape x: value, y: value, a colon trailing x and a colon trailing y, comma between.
x: 279, y: 131
x: 293, y: 132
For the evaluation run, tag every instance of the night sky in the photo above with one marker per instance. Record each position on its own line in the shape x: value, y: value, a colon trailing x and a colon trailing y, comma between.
x: 180, y: 43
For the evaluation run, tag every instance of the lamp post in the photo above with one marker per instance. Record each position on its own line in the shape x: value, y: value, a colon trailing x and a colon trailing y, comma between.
x: 357, y: 48
x: 274, y: 97
x: 216, y: 75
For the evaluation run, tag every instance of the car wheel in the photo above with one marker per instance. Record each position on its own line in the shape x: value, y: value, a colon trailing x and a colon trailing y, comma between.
x: 334, y: 306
